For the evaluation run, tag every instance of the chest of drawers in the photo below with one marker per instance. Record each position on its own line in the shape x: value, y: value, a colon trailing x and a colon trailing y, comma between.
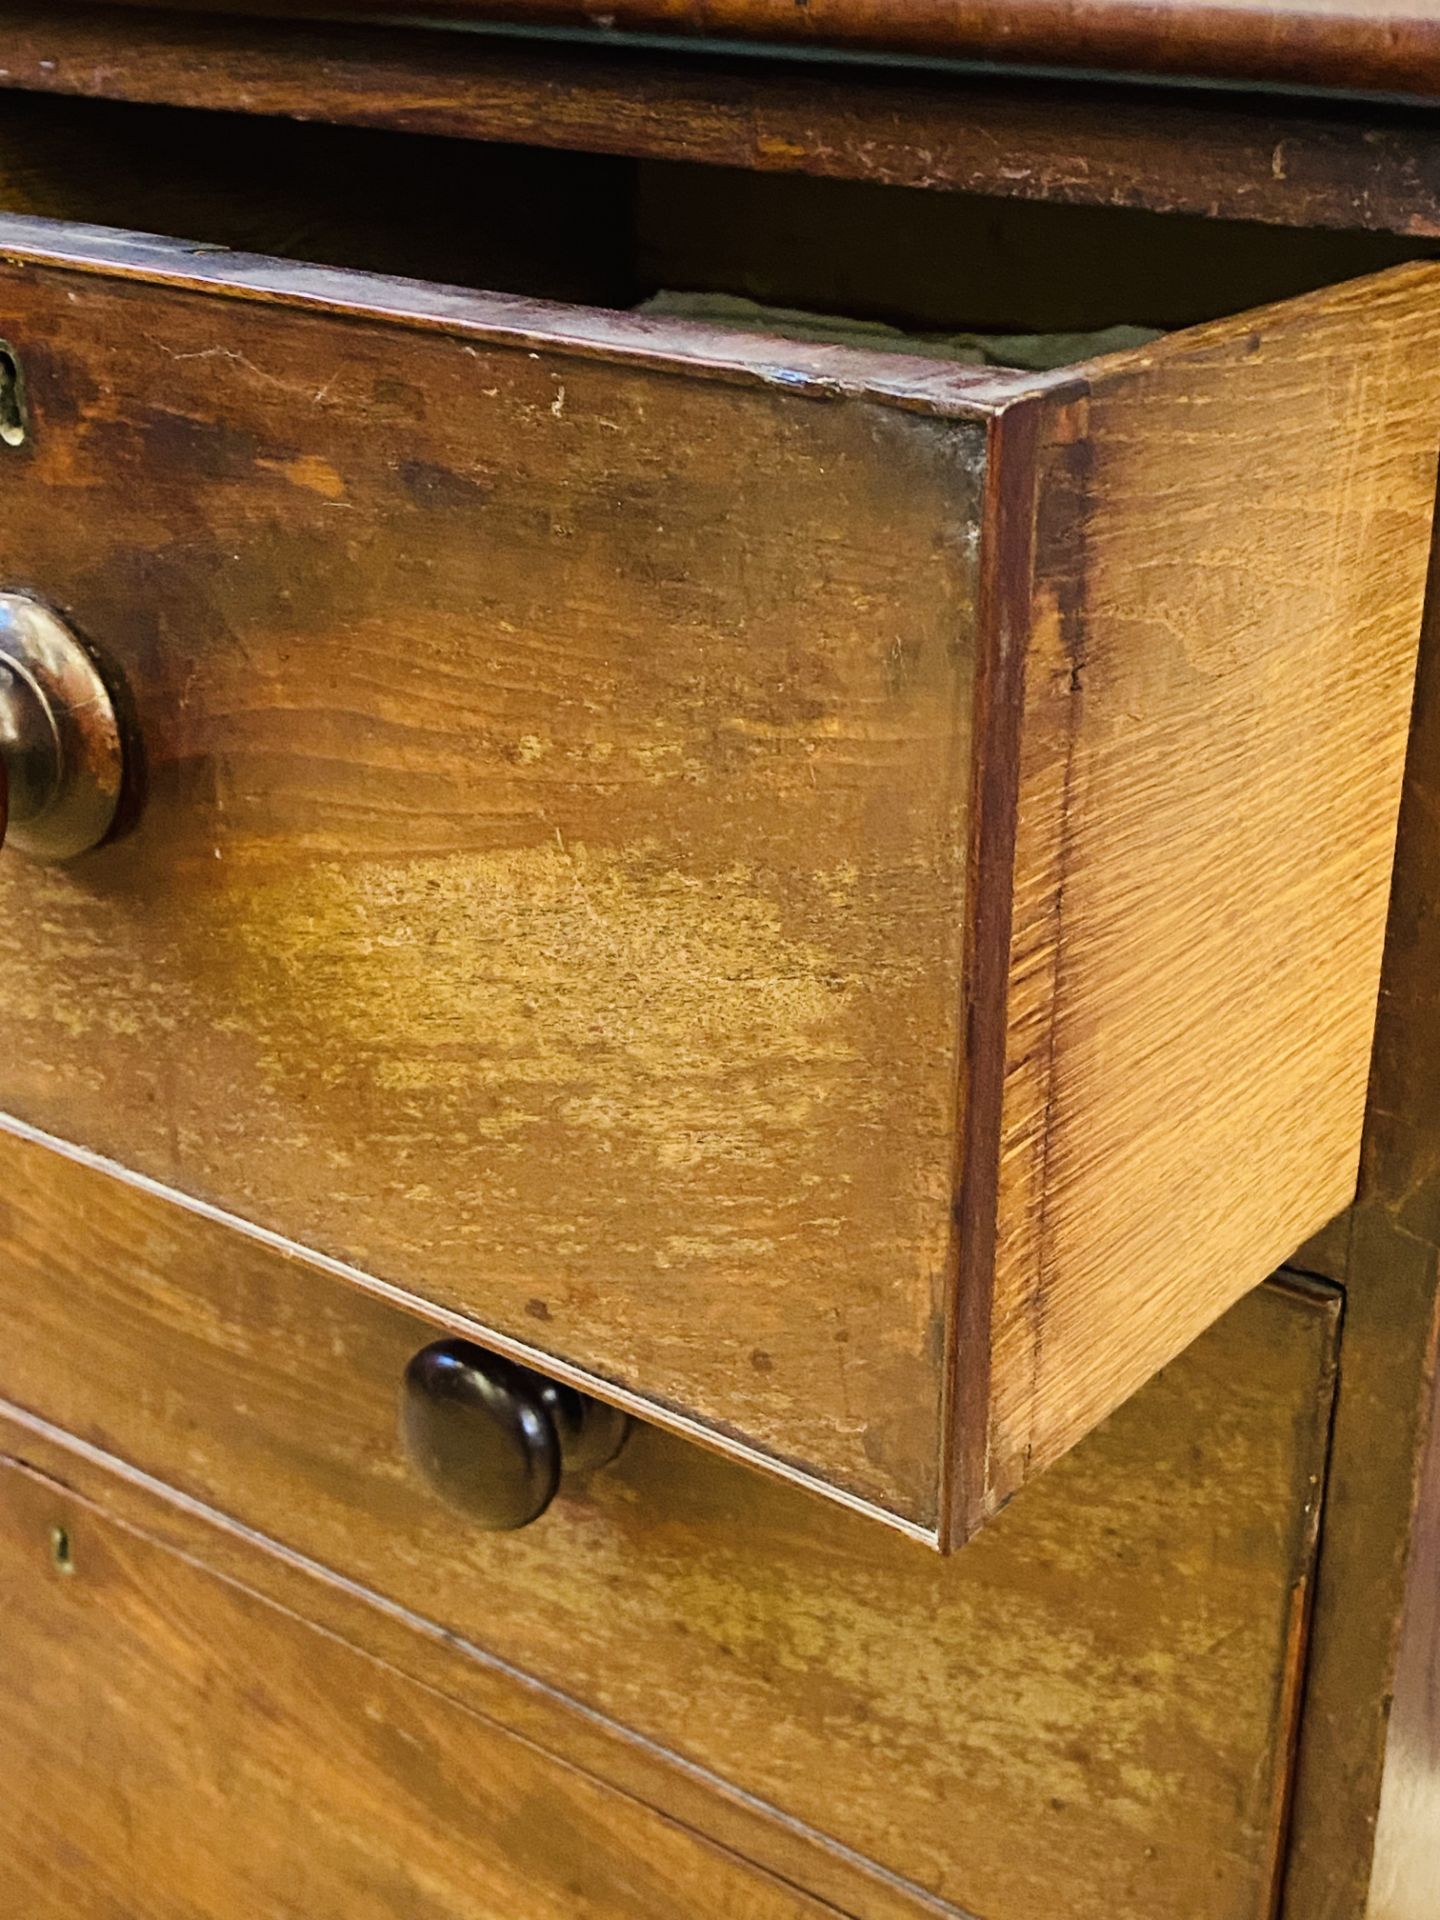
x: 807, y: 888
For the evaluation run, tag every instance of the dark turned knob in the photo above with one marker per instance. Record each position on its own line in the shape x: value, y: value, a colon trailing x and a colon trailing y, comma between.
x: 494, y: 1438
x: 60, y: 749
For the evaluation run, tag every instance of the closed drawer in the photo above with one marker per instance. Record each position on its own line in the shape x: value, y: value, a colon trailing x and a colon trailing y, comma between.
x: 144, y: 1702
x: 1088, y: 1711
x: 832, y: 899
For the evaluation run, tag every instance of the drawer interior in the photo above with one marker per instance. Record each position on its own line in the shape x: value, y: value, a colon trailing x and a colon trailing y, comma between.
x: 609, y: 231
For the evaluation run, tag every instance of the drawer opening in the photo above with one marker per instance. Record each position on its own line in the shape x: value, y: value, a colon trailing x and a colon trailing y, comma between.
x: 611, y: 232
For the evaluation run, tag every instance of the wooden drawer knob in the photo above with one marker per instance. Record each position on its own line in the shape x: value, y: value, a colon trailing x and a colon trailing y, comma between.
x: 60, y: 752
x: 493, y: 1438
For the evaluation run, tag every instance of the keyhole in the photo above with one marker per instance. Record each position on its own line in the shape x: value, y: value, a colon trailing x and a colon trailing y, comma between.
x: 12, y: 398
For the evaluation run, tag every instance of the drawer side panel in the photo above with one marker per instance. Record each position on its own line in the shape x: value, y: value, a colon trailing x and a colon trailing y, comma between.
x: 1217, y: 708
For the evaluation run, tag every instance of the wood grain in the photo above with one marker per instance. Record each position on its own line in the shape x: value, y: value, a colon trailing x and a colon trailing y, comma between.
x: 582, y: 880
x: 1383, y: 45
x: 1221, y: 156
x: 690, y: 1794
x: 145, y: 1703
x: 549, y: 896
x: 1238, y: 504
x: 1110, y: 1669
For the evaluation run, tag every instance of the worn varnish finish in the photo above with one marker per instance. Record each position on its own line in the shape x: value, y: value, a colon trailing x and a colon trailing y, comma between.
x: 1110, y: 1670
x: 1049, y: 1651
x: 1203, y: 153
x: 189, y: 1749
x: 550, y: 890
x: 565, y: 862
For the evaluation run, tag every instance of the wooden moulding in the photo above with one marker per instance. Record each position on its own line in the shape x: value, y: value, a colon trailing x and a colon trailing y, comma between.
x: 1351, y: 44
x: 1202, y: 153
x: 1004, y: 852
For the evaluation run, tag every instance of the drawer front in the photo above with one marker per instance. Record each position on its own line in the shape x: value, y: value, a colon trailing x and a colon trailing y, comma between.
x: 145, y: 1702
x: 548, y: 894
x: 786, y: 882
x: 1108, y: 1671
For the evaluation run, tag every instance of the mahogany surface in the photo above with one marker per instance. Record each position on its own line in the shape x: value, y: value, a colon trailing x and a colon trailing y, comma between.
x: 1354, y: 45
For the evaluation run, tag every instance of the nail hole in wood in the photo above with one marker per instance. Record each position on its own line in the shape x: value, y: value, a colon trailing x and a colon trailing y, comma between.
x: 60, y: 1552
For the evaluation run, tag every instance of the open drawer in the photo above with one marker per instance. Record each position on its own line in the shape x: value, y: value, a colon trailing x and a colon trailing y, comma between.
x: 833, y: 899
